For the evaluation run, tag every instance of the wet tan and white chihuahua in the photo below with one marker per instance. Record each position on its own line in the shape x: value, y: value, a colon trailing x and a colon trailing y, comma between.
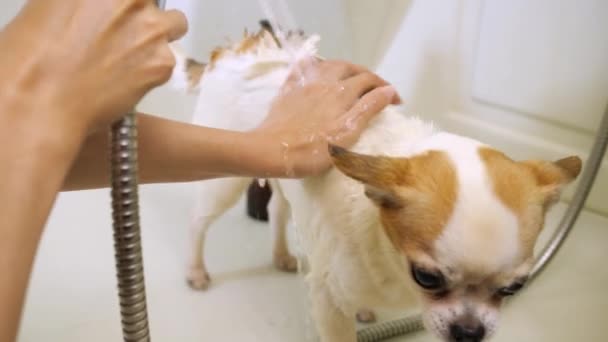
x: 410, y: 209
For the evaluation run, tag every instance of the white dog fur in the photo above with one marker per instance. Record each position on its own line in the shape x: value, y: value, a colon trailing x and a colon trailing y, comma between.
x: 468, y: 212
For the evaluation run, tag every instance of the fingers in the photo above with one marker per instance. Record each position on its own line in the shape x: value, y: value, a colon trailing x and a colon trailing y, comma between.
x: 177, y: 24
x: 314, y: 69
x: 370, y: 105
x: 340, y: 70
x: 357, y: 79
x: 359, y: 85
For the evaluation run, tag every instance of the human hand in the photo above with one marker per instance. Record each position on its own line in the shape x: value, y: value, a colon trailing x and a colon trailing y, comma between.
x: 322, y: 102
x: 92, y: 60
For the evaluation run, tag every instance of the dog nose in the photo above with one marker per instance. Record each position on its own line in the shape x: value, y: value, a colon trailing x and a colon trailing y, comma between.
x: 467, y: 333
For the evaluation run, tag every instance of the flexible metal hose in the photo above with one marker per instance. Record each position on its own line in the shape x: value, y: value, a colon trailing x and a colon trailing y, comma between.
x: 127, y: 239
x: 127, y: 235
x: 592, y: 167
x: 384, y: 331
x: 413, y: 324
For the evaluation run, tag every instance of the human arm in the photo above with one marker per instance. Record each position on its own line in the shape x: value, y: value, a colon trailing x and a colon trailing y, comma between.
x: 60, y: 63
x: 34, y: 157
x: 170, y: 151
x: 281, y: 147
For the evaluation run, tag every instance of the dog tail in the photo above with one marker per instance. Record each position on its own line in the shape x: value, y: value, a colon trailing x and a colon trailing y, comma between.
x: 187, y: 73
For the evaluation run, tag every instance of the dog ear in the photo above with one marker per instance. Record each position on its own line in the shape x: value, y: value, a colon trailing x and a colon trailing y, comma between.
x: 386, y: 199
x: 380, y: 175
x: 552, y: 177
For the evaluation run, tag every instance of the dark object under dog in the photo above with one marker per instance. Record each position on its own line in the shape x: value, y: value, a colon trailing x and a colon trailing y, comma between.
x: 259, y: 196
x: 257, y: 201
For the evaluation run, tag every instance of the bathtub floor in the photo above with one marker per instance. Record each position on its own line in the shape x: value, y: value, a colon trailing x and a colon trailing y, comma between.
x: 73, y: 298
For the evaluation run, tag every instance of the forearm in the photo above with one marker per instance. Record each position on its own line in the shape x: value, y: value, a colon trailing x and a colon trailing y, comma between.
x: 171, y: 151
x: 34, y: 158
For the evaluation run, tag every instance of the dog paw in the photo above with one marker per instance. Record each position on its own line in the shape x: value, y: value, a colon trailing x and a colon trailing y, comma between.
x: 286, y: 262
x: 366, y: 316
x: 198, y: 279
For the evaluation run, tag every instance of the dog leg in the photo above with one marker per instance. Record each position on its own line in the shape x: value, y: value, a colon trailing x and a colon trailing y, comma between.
x: 214, y: 199
x: 333, y: 324
x: 279, y: 212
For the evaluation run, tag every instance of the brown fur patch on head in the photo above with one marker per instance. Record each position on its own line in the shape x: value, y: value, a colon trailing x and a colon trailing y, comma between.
x: 528, y: 188
x: 415, y: 195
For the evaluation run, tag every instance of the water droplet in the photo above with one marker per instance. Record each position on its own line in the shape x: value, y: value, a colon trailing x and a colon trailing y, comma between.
x: 289, y: 172
x: 350, y: 123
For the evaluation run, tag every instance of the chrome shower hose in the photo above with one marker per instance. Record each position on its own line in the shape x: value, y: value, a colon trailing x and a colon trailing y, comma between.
x: 127, y: 235
x: 127, y: 238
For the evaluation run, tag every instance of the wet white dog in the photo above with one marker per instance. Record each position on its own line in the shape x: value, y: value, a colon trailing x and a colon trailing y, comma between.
x: 409, y: 209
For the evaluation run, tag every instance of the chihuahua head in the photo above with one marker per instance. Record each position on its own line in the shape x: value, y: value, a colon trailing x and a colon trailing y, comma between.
x: 466, y: 218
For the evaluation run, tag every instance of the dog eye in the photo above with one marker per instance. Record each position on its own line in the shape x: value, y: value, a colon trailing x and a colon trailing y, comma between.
x: 510, y: 290
x: 428, y: 280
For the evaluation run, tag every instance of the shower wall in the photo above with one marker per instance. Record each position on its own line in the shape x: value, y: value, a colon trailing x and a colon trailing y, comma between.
x: 529, y: 77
